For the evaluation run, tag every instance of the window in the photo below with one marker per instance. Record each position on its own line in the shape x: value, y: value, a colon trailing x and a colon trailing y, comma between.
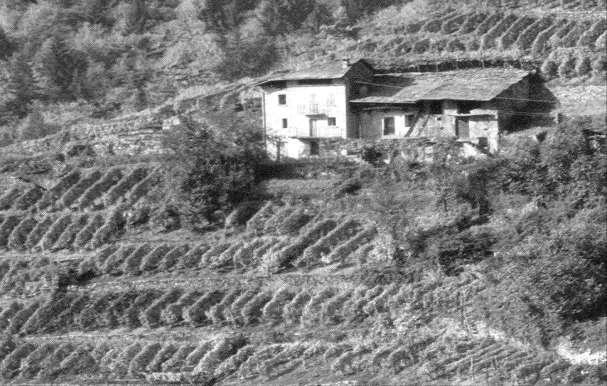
x: 331, y: 100
x: 409, y: 120
x: 389, y: 126
x: 282, y: 99
x: 285, y: 123
x: 332, y: 121
x: 436, y: 107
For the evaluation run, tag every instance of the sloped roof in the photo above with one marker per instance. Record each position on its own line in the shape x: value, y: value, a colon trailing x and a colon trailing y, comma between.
x: 471, y: 84
x: 332, y: 70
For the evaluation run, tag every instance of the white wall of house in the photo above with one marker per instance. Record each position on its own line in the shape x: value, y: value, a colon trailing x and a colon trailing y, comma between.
x: 372, y: 123
x: 306, y: 103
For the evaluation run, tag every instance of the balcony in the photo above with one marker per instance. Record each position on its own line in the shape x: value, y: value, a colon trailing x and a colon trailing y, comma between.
x: 321, y: 132
x: 312, y: 109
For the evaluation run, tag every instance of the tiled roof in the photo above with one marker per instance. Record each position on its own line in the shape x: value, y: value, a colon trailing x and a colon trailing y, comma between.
x: 472, y: 84
x: 332, y: 70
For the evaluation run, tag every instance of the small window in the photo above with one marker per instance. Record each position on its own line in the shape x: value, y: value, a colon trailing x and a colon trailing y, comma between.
x: 314, y: 148
x: 389, y: 126
x: 409, y: 120
x: 285, y: 123
x: 331, y: 100
x: 282, y: 99
x: 332, y: 122
x: 436, y: 107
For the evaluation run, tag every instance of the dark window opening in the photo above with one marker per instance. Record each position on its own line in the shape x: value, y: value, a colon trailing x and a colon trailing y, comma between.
x: 465, y: 107
x: 313, y: 82
x: 332, y: 122
x: 314, y: 148
x: 282, y: 99
x: 285, y: 123
x: 389, y: 128
x: 409, y: 120
x: 436, y: 107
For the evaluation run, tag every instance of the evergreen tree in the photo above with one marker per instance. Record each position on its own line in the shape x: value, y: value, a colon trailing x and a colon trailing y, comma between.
x: 283, y: 16
x: 19, y: 89
x: 6, y: 47
x: 223, y: 16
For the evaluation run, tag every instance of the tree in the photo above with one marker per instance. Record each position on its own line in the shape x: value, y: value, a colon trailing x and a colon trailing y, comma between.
x: 6, y: 47
x: 354, y: 9
x: 246, y: 57
x: 19, y: 88
x: 57, y: 66
x: 283, y: 16
x: 218, y: 160
x: 223, y: 16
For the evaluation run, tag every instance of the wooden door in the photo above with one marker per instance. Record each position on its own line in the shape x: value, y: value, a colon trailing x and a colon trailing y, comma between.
x: 462, y: 128
x: 313, y: 127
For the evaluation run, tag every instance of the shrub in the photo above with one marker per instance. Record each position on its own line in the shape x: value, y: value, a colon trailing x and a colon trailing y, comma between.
x: 528, y: 36
x: 242, y: 214
x: 336, y: 350
x: 288, y: 355
x: 196, y: 356
x: 330, y: 310
x: 163, y: 355
x: 21, y: 317
x: 7, y: 314
x: 152, y: 260
x: 455, y: 45
x: 250, y: 367
x: 213, y: 252
x: 87, y: 232
x: 226, y: 258
x: 273, y: 309
x: 453, y: 24
x: 566, y: 67
x: 232, y: 364
x: 252, y: 310
x: 343, y: 251
x: 472, y: 22
x: 8, y: 198
x: 113, y: 265
x: 196, y: 314
x: 125, y: 184
x: 55, y: 231
x: 113, y: 227
x: 150, y: 318
x: 549, y: 68
x: 256, y: 224
x: 107, y: 360
x: 66, y: 239
x: 142, y: 188
x: 9, y: 368
x: 311, y: 312
x: 144, y: 358
x: 583, y: 66
x: 117, y: 308
x: 601, y: 42
x: 30, y: 365
x: 234, y: 315
x: 177, y: 361
x: 573, y: 36
x: 7, y: 345
x: 323, y: 246
x: 295, y: 250
x: 18, y: 237
x: 193, y: 258
x: 110, y: 179
x: 41, y: 318
x: 216, y: 313
x: 28, y: 199
x: 170, y: 260
x: 293, y: 311
x: 50, y: 367
x: 539, y: 44
x: 591, y: 34
x: 91, y: 316
x: 80, y: 361
x: 120, y: 366
x: 514, y: 30
x: 133, y: 261
x: 54, y: 193
x: 489, y: 22
x: 488, y: 40
x: 79, y: 188
x: 174, y: 312
x: 357, y: 303
x: 244, y: 256
x: 433, y: 25
x: 294, y: 222
x: 380, y: 303
x: 6, y: 227
x: 222, y: 350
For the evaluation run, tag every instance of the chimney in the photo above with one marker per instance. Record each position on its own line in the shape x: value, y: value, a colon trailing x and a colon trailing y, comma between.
x: 345, y: 62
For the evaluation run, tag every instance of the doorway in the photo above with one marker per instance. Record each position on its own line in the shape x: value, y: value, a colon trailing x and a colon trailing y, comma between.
x: 462, y: 128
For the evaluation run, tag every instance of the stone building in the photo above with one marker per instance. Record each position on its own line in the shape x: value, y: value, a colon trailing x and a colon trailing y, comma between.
x: 350, y: 101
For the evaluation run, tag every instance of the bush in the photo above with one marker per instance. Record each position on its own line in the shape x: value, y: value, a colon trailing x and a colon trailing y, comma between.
x: 80, y: 361
x: 196, y: 356
x: 177, y: 361
x: 222, y: 350
x: 323, y: 246
x: 50, y: 367
x: 220, y: 159
x: 30, y: 366
x: 343, y: 251
x: 17, y: 239
x: 131, y: 317
x: 66, y: 239
x: 193, y: 258
x: 330, y: 309
x: 28, y: 199
x: 311, y: 312
x: 294, y: 250
x: 150, y: 318
x: 233, y: 363
x: 133, y: 261
x: 55, y: 231
x: 34, y: 127
x: 174, y: 313
x: 120, y: 366
x: 196, y: 314
x: 113, y: 265
x: 54, y: 193
x: 216, y: 313
x: 7, y: 345
x: 21, y: 317
x: 7, y: 314
x: 252, y: 310
x: 6, y: 227
x: 294, y: 222
x: 236, y: 307
x: 110, y: 179
x: 163, y: 355
x: 113, y: 227
x: 79, y: 188
x: 9, y: 368
x: 152, y: 260
x: 87, y: 232
x: 144, y: 358
x: 172, y: 258
x: 273, y: 309
x: 125, y: 185
x: 292, y: 311
x: 10, y: 195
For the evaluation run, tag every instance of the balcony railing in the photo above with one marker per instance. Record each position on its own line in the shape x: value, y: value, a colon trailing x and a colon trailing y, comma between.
x: 312, y: 109
x: 297, y: 132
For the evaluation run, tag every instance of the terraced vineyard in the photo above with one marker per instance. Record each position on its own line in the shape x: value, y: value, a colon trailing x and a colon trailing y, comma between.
x: 550, y: 35
x: 290, y: 294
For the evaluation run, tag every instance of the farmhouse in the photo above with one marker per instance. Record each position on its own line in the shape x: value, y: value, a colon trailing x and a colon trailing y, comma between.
x: 351, y: 101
